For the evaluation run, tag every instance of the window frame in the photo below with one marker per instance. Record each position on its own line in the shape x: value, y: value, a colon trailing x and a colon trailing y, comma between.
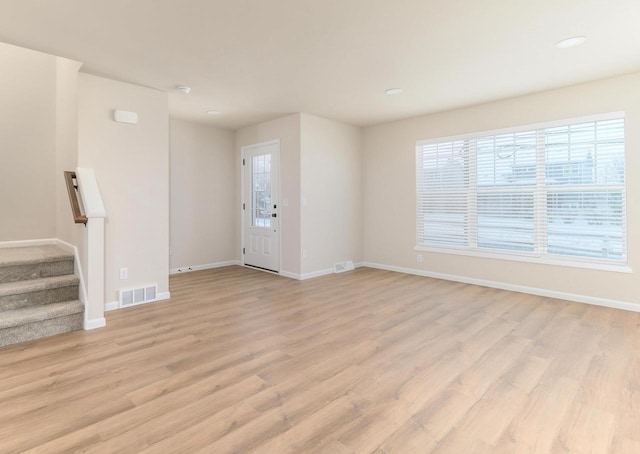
x: 537, y: 256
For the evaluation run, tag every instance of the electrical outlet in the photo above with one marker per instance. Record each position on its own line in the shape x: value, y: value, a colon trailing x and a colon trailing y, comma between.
x: 124, y: 273
x: 419, y: 258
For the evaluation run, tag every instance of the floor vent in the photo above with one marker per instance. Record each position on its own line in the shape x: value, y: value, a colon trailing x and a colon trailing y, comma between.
x: 341, y: 267
x: 141, y: 295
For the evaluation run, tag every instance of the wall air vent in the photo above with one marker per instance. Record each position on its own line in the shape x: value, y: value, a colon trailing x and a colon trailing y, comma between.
x: 140, y: 295
x: 341, y: 267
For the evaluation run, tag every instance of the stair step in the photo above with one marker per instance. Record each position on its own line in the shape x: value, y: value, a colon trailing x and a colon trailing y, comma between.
x: 38, y: 294
x: 35, y: 322
x: 34, y: 262
x: 48, y: 290
x: 9, y: 319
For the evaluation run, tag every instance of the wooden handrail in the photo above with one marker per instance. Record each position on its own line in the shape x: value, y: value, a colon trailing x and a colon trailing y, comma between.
x: 72, y: 189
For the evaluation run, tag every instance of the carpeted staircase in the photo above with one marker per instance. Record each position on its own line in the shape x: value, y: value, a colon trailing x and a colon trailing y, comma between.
x: 38, y: 294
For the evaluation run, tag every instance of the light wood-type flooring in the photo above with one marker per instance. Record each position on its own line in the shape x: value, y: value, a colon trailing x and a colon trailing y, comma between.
x: 368, y: 361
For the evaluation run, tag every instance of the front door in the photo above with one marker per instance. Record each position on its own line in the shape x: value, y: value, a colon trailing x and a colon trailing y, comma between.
x: 261, y: 238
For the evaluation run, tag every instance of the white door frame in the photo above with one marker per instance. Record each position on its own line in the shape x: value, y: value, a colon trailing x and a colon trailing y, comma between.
x: 243, y: 202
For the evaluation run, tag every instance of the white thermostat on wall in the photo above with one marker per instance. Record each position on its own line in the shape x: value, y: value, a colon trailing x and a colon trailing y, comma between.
x: 123, y: 116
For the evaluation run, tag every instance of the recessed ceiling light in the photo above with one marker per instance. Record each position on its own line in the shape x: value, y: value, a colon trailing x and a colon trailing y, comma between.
x: 570, y: 42
x: 213, y: 112
x: 184, y: 89
x: 394, y: 91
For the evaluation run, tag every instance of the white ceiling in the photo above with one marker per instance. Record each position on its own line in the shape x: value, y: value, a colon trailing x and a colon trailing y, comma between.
x: 255, y: 60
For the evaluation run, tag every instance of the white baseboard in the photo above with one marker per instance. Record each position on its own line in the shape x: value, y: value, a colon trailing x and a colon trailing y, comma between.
x: 305, y: 276
x: 78, y: 268
x: 26, y: 243
x: 595, y: 301
x: 318, y: 273
x: 95, y: 323
x: 302, y: 277
x: 112, y: 306
x: 82, y: 289
x: 206, y: 266
x: 66, y: 246
x: 290, y: 275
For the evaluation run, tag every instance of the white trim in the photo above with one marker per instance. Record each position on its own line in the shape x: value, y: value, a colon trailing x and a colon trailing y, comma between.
x: 64, y: 245
x: 27, y: 243
x: 290, y: 275
x: 243, y: 150
x: 302, y: 277
x: 585, y: 299
x: 622, y: 268
x: 305, y: 276
x: 95, y: 323
x: 261, y: 144
x: 318, y: 273
x: 78, y: 267
x: 90, y: 193
x: 112, y: 306
x: 82, y: 296
x: 206, y: 266
x: 311, y: 275
x: 526, y: 127
x: 242, y: 206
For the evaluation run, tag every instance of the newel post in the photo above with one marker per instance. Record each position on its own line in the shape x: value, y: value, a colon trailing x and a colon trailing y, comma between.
x: 95, y: 212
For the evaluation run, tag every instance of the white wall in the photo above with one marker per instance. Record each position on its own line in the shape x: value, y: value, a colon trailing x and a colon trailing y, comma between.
x: 331, y: 184
x: 287, y: 129
x: 203, y: 199
x: 389, y: 187
x: 66, y: 146
x: 27, y: 144
x: 131, y: 164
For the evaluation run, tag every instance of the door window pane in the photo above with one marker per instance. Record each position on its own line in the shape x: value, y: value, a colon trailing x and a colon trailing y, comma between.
x: 261, y: 191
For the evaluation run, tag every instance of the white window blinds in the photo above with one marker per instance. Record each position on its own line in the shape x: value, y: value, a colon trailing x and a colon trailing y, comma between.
x: 545, y: 191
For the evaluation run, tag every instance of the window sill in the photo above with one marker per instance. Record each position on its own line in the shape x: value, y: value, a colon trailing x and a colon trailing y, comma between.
x: 618, y: 268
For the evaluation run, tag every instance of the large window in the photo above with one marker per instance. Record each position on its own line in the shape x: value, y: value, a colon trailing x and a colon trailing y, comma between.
x: 553, y: 191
